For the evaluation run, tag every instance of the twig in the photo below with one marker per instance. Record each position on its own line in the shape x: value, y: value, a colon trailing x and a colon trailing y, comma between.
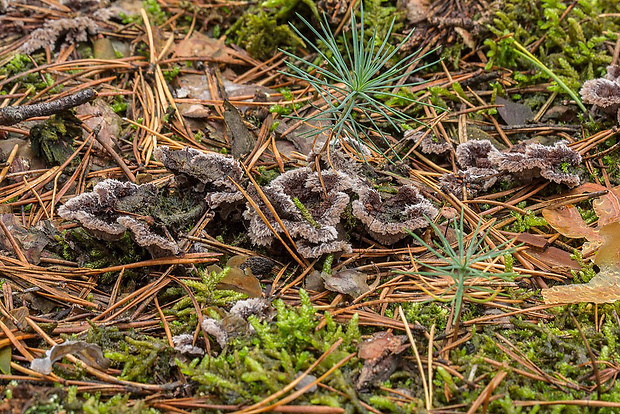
x: 9, y: 161
x: 114, y: 155
x: 14, y: 114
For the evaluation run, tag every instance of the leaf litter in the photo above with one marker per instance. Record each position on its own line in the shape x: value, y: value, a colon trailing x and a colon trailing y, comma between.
x: 144, y: 267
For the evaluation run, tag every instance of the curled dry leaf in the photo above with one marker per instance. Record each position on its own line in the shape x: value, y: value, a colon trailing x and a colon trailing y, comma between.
x: 380, y: 355
x: 349, y: 282
x: 91, y: 354
x: 604, y: 239
x: 238, y: 279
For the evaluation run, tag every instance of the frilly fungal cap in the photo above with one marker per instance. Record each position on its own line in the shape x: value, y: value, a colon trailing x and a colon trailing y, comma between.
x: 476, y: 153
x: 96, y: 212
x: 104, y: 213
x: 308, y: 213
x: 604, y: 92
x: 429, y: 143
x: 204, y: 172
x: 388, y: 220
x: 483, y: 165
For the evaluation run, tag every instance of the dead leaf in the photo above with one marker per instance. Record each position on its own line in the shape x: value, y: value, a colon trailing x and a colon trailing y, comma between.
x: 200, y: 45
x: 605, y: 286
x: 568, y: 222
x: 89, y: 353
x: 604, y: 239
x: 18, y: 320
x: 196, y: 112
x: 242, y: 139
x: 379, y: 344
x: 236, y: 261
x: 5, y: 360
x: 31, y: 241
x: 513, y: 113
x: 468, y: 38
x: 103, y: 49
x: 380, y: 355
x: 242, y: 281
x: 416, y: 10
x: 237, y: 279
x: 99, y: 113
x: 348, y: 282
x: 607, y: 207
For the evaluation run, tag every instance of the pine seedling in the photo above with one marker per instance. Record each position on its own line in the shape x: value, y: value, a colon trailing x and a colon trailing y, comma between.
x: 461, y: 262
x: 354, y: 84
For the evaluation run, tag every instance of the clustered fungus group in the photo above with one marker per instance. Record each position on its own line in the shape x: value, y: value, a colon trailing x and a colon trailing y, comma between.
x: 482, y: 166
x: 307, y: 204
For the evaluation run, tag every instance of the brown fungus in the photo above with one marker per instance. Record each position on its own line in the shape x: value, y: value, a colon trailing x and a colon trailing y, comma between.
x: 204, y: 172
x: 157, y: 245
x: 73, y: 30
x: 483, y: 166
x: 473, y: 180
x: 476, y: 153
x: 550, y: 162
x: 95, y: 211
x: 604, y: 93
x: 309, y: 212
x: 388, y: 220
x: 114, y: 207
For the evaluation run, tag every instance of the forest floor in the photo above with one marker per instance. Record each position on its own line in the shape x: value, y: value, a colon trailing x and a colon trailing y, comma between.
x: 307, y: 206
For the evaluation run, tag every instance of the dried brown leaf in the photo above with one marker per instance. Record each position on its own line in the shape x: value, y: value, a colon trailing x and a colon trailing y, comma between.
x: 348, y: 282
x: 568, y: 222
x: 200, y: 45
x: 91, y: 354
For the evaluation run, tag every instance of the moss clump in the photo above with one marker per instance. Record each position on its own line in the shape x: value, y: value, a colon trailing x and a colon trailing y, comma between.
x: 53, y: 139
x: 205, y: 293
x: 262, y: 31
x: 573, y: 48
x: 251, y: 368
x: 33, y: 81
x: 69, y: 402
x: 143, y: 358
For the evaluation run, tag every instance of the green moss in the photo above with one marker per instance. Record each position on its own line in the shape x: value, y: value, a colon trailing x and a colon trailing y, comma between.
x: 573, y: 48
x: 156, y: 15
x: 587, y: 271
x: 53, y: 139
x: 523, y: 223
x: 251, y: 368
x: 261, y: 32
x: 143, y: 358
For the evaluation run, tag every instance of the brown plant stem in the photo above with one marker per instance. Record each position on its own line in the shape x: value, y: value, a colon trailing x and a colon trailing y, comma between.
x: 12, y: 115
